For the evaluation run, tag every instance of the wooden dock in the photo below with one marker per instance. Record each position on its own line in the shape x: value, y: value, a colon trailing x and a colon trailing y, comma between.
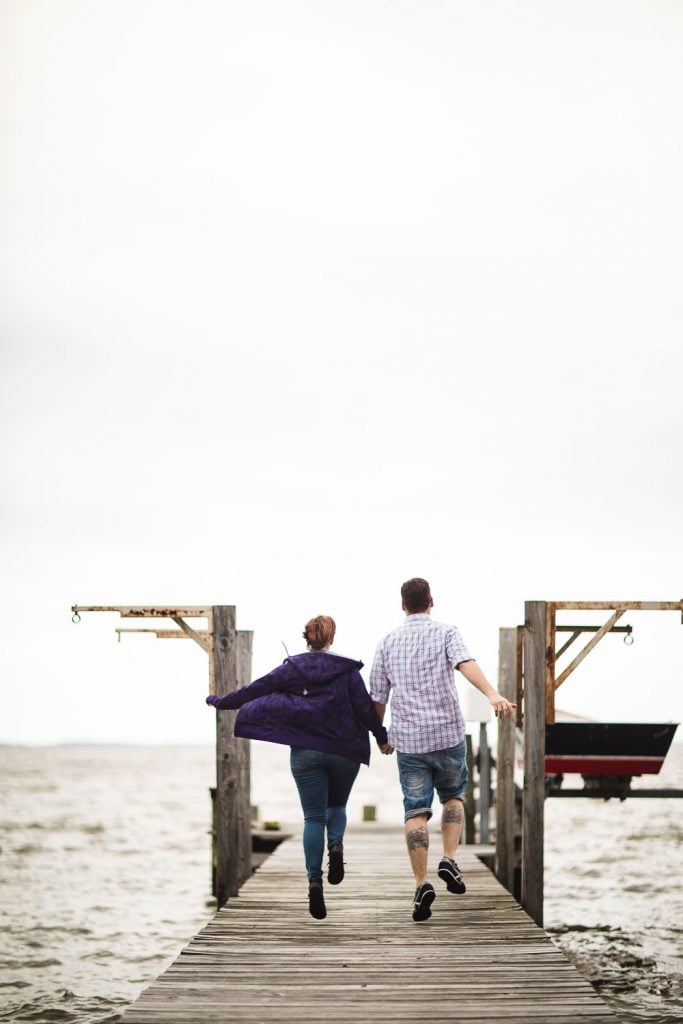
x: 264, y: 959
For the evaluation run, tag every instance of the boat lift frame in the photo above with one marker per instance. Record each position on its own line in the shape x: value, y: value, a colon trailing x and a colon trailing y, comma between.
x: 528, y: 674
x: 229, y: 655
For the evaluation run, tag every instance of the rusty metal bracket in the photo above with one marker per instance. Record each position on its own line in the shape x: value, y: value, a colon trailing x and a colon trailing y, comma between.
x: 576, y: 632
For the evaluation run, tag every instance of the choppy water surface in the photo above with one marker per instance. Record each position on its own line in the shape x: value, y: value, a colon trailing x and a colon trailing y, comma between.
x: 614, y: 895
x: 104, y: 867
x: 105, y: 874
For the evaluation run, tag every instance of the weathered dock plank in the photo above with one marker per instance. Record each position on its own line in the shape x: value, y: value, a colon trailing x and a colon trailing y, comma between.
x: 264, y: 959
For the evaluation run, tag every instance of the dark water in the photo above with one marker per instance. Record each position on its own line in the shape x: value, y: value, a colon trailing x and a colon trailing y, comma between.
x: 104, y: 868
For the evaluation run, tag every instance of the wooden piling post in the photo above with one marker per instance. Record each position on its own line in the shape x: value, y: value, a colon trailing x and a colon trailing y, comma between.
x: 230, y: 658
x: 470, y: 808
x: 484, y: 784
x: 212, y: 796
x: 505, y: 767
x: 243, y: 818
x: 535, y: 633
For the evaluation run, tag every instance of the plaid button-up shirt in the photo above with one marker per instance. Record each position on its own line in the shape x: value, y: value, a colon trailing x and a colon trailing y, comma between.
x: 414, y: 665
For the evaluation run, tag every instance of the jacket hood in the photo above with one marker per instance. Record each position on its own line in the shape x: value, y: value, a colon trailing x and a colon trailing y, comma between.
x: 322, y: 667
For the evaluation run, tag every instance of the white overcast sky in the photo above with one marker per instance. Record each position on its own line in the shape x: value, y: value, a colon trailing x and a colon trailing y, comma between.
x: 301, y: 298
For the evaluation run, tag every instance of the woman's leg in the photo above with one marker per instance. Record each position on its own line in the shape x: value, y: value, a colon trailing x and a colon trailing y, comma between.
x: 310, y: 776
x: 342, y: 775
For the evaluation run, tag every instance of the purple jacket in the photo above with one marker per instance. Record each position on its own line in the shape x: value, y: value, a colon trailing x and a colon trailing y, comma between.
x: 314, y: 700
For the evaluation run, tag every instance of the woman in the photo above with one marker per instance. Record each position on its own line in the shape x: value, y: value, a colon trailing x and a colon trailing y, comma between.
x: 317, y: 704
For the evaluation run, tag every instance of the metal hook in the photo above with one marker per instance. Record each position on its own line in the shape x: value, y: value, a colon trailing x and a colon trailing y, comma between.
x: 75, y: 617
x: 628, y: 638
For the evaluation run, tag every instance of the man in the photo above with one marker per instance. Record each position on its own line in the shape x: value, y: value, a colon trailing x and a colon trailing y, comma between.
x: 414, y: 664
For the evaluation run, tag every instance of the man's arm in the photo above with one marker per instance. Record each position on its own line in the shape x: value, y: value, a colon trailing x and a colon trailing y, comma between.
x: 473, y: 674
x: 365, y: 709
x: 386, y: 748
x: 379, y: 691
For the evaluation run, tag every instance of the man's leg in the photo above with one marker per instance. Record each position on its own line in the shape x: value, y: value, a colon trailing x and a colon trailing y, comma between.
x: 417, y: 783
x: 452, y: 815
x: 450, y: 780
x: 417, y: 841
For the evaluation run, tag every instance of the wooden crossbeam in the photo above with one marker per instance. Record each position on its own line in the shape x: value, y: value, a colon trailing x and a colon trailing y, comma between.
x: 594, y: 640
x: 161, y: 634
x: 192, y: 633
x: 628, y: 606
x: 148, y: 611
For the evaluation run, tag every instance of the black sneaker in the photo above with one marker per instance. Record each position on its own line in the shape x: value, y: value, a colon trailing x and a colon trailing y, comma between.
x: 424, y: 897
x: 335, y: 867
x: 316, y: 900
x: 449, y: 872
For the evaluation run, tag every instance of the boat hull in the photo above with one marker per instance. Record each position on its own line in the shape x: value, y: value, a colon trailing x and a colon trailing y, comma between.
x: 607, y: 748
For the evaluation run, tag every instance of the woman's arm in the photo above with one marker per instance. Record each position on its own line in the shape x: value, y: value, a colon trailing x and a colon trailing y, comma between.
x: 259, y: 688
x: 365, y: 709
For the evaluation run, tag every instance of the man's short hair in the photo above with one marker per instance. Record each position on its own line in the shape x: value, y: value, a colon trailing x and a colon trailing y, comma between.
x: 416, y: 595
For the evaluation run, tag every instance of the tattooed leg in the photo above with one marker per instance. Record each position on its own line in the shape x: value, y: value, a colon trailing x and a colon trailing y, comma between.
x: 417, y: 841
x: 452, y: 817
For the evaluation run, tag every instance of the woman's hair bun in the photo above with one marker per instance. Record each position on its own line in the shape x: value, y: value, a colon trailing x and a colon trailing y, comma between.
x: 319, y: 632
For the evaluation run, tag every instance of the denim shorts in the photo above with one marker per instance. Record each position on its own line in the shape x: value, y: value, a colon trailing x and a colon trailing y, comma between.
x: 420, y: 774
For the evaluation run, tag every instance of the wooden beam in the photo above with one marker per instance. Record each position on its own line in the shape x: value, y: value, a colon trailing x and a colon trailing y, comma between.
x: 192, y: 633
x: 146, y: 611
x: 484, y: 785
x: 505, y: 762
x: 535, y: 632
x: 589, y: 647
x: 550, y: 664
x: 230, y: 654
x: 161, y: 634
x: 243, y: 801
x: 223, y: 656
x: 469, y: 803
x: 519, y: 676
x: 629, y: 606
x: 565, y: 646
x: 562, y: 628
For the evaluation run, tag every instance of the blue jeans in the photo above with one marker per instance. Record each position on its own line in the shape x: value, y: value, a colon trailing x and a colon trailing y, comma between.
x: 324, y: 782
x: 421, y: 774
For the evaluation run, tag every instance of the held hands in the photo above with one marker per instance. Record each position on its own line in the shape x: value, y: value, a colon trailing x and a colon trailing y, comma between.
x: 502, y: 708
x: 386, y: 748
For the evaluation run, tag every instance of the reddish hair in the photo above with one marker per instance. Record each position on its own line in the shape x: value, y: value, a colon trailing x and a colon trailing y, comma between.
x: 319, y: 632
